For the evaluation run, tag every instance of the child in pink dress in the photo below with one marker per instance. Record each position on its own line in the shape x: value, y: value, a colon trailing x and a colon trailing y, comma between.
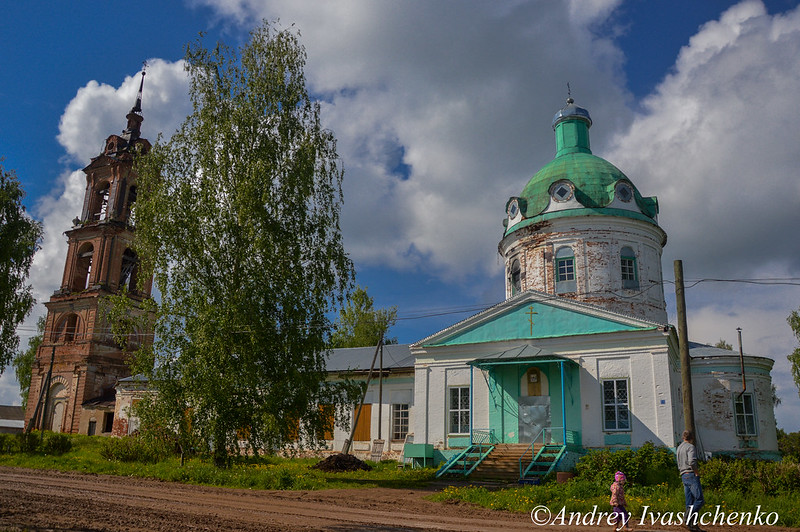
x: 621, y: 515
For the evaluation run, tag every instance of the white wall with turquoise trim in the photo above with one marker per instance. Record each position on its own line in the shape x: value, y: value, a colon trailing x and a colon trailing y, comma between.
x: 435, y: 374
x: 644, y: 357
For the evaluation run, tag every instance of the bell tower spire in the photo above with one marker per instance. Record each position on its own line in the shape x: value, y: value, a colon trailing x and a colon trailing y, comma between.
x: 134, y: 116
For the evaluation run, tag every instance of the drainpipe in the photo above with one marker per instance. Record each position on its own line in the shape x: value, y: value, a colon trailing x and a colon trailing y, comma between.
x: 741, y: 362
x: 471, y: 373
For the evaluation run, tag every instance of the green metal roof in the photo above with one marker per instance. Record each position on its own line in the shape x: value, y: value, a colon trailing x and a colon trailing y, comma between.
x: 593, y: 178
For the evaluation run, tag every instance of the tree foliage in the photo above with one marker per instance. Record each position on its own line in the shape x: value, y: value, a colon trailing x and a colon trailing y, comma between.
x: 722, y: 344
x: 19, y: 240
x: 237, y: 220
x: 361, y: 325
x: 794, y: 358
x: 23, y: 361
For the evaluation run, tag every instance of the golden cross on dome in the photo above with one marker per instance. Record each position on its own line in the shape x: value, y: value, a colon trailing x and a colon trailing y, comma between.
x: 530, y: 314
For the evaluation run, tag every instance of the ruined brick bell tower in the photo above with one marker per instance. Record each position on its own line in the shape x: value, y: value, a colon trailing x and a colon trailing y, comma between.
x: 77, y: 396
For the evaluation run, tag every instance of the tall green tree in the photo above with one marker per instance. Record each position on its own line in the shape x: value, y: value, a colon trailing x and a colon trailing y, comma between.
x: 19, y: 240
x: 360, y: 324
x: 23, y: 361
x: 237, y: 220
x: 794, y: 358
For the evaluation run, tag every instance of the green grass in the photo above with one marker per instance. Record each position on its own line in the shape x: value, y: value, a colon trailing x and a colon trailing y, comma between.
x: 269, y: 472
x: 577, y: 495
x: 582, y: 496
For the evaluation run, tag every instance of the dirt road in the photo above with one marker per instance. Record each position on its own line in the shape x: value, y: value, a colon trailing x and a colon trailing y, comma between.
x: 46, y: 500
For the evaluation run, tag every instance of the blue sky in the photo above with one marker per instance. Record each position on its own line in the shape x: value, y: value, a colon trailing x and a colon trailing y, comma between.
x: 442, y: 111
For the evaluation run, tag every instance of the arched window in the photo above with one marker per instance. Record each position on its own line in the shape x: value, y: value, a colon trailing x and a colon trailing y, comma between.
x: 101, y: 201
x: 514, y: 277
x: 83, y: 268
x: 129, y: 204
x: 565, y: 270
x: 127, y: 275
x: 630, y: 276
x: 67, y: 329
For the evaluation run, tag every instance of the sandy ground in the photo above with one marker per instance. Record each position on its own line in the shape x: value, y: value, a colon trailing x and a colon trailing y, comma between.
x: 47, y: 500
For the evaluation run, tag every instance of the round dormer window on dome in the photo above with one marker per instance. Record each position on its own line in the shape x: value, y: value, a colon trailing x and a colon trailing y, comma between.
x: 562, y: 191
x: 513, y: 208
x: 624, y: 192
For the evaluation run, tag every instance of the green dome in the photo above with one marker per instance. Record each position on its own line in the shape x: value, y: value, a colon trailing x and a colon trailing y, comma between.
x: 593, y: 180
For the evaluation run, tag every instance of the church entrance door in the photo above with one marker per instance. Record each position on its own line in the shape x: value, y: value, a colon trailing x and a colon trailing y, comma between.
x: 534, y: 415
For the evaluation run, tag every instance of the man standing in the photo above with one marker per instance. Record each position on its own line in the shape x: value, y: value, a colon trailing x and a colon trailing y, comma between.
x: 686, y: 455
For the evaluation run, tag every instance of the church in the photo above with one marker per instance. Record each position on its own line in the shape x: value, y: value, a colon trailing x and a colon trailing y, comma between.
x: 580, y: 355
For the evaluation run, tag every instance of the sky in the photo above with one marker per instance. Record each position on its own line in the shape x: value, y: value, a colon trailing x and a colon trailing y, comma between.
x: 442, y: 111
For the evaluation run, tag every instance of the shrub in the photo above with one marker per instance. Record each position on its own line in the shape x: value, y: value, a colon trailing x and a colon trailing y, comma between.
x: 55, y: 443
x: 7, y: 443
x: 789, y: 444
x: 28, y: 442
x: 647, y: 465
x: 751, y: 476
x: 139, y: 448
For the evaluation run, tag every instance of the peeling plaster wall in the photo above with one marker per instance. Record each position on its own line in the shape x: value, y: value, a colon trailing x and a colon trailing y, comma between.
x: 596, y: 242
x: 716, y: 381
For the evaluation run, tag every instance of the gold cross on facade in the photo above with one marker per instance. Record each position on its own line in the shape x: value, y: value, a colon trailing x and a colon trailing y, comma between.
x: 530, y: 314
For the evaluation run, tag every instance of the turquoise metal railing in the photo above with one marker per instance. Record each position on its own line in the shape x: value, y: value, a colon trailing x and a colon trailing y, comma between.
x: 465, y: 462
x: 552, y: 442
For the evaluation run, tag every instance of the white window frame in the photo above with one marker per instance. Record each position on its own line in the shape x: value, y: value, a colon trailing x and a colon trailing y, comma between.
x: 628, y: 269
x: 400, y: 419
x: 460, y: 426
x: 566, y: 280
x: 741, y: 415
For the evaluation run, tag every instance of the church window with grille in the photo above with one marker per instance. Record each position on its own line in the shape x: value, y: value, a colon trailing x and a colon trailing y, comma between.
x: 459, y: 410
x: 515, y: 277
x: 616, y: 416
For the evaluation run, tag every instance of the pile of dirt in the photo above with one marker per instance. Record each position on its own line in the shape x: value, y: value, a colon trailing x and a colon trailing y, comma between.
x: 342, y: 462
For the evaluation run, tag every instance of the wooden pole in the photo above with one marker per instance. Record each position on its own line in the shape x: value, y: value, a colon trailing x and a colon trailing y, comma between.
x: 349, y: 441
x: 683, y: 346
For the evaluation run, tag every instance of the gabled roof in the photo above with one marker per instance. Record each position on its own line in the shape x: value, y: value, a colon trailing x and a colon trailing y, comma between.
x: 533, y: 314
x: 395, y: 357
x: 519, y: 354
x: 15, y: 413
